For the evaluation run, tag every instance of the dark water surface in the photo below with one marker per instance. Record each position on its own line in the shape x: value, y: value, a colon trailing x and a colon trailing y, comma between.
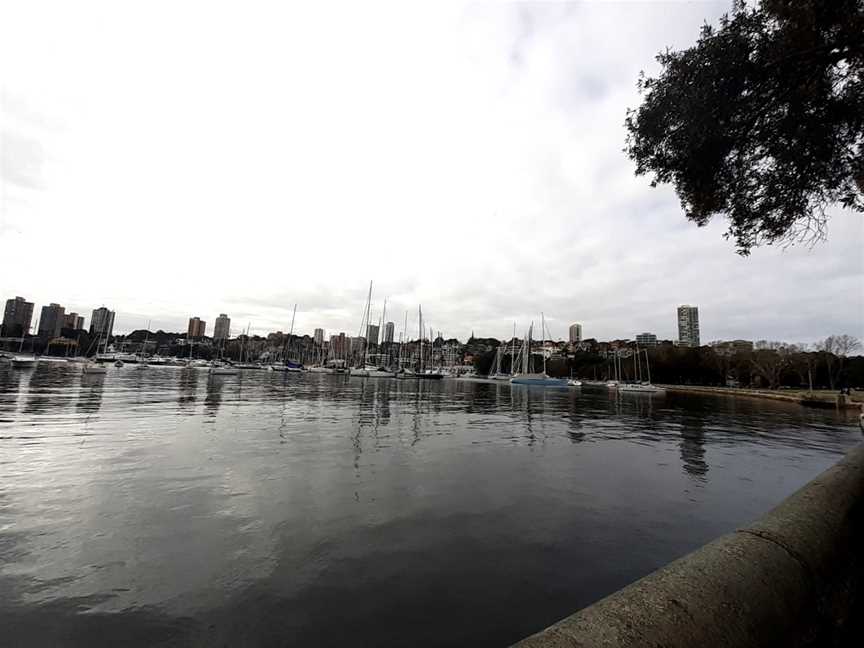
x: 163, y: 506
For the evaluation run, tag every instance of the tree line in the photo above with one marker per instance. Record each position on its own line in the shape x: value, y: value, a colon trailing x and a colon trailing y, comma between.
x: 828, y: 364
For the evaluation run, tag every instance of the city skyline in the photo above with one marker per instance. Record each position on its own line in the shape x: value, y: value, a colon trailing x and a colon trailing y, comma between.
x: 196, y: 327
x: 540, y: 178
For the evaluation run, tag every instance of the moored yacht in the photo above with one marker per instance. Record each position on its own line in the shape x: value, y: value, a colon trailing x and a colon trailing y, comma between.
x: 285, y: 366
x: 94, y: 368
x: 23, y: 361
x: 538, y: 379
x: 371, y: 371
x: 222, y: 369
x: 641, y: 388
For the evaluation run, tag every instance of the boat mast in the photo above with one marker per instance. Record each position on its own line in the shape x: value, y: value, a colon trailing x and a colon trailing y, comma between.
x: 402, y: 340
x: 286, y: 348
x: 420, y: 330
x: 146, y: 336
x: 543, y: 342
x: 381, y: 331
x: 513, y: 354
x: 365, y: 334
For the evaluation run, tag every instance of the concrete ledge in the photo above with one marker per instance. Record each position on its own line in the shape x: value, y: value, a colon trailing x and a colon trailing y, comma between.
x: 792, y: 578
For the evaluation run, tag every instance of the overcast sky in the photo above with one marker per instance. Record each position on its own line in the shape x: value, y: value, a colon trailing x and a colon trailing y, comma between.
x: 170, y: 159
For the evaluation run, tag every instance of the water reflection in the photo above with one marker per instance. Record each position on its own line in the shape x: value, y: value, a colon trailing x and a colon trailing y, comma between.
x: 692, y: 447
x: 328, y: 491
x: 10, y: 391
x: 40, y: 395
x: 213, y: 399
x: 90, y: 392
x: 187, y: 390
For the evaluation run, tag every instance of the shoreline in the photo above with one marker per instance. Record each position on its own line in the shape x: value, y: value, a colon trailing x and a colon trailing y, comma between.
x: 820, y: 399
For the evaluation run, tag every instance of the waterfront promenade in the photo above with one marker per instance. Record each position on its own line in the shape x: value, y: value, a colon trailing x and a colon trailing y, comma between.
x: 816, y: 398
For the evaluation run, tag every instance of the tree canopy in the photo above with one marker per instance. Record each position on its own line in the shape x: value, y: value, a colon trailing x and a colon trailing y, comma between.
x: 761, y: 121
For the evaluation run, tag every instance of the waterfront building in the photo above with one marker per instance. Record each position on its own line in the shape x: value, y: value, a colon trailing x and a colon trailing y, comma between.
x: 389, y: 330
x: 51, y: 320
x: 102, y: 322
x: 646, y: 339
x: 319, y: 337
x: 222, y: 327
x: 372, y: 333
x: 73, y: 321
x: 688, y: 326
x: 17, y: 317
x: 197, y: 328
x: 340, y: 345
x: 575, y: 333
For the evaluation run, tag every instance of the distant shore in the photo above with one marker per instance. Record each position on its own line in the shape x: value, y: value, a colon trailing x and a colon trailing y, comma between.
x: 818, y: 398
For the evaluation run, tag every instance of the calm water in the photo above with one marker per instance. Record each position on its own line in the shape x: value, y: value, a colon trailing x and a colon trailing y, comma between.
x: 165, y: 506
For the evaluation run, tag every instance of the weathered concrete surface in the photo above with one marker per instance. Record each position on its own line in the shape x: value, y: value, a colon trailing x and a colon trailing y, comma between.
x: 793, y: 578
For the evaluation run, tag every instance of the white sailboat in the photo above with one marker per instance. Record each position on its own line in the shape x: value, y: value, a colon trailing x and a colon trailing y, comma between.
x: 98, y: 367
x: 23, y: 360
x: 641, y: 387
x: 244, y: 353
x: 285, y: 364
x: 495, y: 373
x: 142, y: 362
x: 541, y: 379
x: 368, y: 369
x: 222, y: 369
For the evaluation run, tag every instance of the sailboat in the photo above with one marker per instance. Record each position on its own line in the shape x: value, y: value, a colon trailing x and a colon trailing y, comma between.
x: 422, y: 372
x: 23, y: 360
x: 285, y: 364
x: 641, y: 387
x: 244, y: 353
x: 219, y: 368
x: 97, y: 367
x: 495, y: 373
x: 541, y: 379
x: 142, y: 361
x: 368, y: 369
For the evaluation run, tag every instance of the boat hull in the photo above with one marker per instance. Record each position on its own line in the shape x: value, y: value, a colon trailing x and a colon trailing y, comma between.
x: 421, y: 376
x: 538, y: 381
x: 371, y: 373
x: 23, y: 363
x: 641, y: 389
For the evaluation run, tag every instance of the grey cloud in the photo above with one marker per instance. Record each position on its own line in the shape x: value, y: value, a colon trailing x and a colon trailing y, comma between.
x: 21, y: 160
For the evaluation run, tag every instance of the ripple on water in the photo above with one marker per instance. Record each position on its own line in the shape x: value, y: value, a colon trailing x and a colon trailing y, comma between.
x: 175, y: 507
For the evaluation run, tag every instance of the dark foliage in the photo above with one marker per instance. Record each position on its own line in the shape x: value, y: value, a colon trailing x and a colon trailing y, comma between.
x: 761, y: 121
x: 766, y: 368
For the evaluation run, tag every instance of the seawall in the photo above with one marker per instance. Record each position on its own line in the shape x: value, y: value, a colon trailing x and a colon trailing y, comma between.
x: 818, y: 399
x: 793, y: 578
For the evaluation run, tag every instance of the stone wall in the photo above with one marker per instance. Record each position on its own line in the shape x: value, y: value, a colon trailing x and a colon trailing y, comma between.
x: 793, y: 578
